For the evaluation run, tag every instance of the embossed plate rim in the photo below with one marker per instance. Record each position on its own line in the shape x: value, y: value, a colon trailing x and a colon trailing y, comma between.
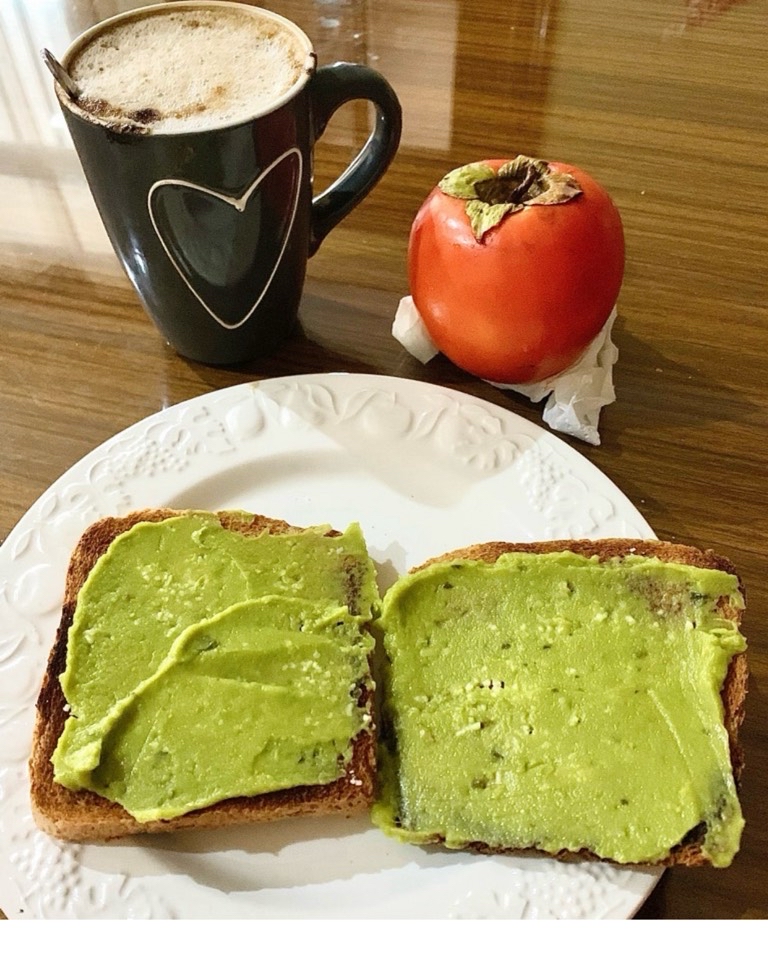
x: 456, y: 453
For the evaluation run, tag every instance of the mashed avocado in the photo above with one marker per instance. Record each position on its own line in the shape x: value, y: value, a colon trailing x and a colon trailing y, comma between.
x: 554, y: 702
x: 202, y: 663
x: 261, y: 697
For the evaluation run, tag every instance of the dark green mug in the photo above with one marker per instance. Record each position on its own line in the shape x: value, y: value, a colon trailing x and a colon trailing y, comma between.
x: 214, y: 226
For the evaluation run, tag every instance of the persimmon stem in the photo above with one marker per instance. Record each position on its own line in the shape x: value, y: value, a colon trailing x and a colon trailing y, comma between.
x: 490, y: 195
x: 521, y: 185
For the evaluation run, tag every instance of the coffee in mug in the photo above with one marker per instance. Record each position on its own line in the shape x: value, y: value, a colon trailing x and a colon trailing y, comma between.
x: 186, y: 70
x: 195, y: 124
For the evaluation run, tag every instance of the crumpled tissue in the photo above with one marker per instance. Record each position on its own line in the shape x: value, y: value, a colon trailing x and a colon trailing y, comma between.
x: 575, y: 396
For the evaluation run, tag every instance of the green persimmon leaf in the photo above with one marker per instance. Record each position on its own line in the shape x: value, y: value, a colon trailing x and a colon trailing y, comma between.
x: 461, y: 182
x: 483, y: 216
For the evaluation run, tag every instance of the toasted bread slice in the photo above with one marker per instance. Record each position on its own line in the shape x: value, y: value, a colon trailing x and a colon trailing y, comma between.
x: 84, y: 816
x: 689, y: 849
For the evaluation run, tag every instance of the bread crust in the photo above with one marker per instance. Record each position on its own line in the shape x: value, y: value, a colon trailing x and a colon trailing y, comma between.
x: 689, y: 852
x: 83, y: 816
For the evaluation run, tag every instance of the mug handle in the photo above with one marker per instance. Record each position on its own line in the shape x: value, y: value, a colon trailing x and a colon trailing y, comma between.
x: 329, y: 88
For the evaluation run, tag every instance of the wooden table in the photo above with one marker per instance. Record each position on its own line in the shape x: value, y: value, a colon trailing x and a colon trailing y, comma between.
x: 662, y: 101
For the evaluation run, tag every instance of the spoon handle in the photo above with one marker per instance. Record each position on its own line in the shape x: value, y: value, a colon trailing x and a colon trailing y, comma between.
x: 60, y: 74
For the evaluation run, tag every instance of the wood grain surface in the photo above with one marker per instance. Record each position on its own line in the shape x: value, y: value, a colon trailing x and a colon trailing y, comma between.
x: 663, y: 101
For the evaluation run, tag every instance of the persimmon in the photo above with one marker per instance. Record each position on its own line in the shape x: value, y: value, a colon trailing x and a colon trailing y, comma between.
x: 515, y: 266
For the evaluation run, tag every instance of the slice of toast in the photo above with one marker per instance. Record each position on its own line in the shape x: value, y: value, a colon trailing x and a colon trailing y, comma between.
x: 399, y: 716
x: 84, y: 816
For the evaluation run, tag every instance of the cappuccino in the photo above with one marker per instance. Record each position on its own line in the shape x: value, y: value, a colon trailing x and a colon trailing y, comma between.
x: 184, y: 69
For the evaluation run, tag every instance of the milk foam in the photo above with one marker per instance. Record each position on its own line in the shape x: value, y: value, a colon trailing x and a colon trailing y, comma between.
x: 185, y: 70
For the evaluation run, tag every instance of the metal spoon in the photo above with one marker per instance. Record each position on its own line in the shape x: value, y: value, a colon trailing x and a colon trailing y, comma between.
x: 60, y: 74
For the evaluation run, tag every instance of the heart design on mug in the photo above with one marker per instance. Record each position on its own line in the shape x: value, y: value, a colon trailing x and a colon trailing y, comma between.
x: 227, y: 249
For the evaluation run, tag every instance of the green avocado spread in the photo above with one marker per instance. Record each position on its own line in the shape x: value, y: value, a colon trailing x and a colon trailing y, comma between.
x: 555, y: 702
x: 204, y: 664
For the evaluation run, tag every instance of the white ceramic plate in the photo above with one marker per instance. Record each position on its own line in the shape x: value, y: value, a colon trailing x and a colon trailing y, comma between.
x: 424, y: 469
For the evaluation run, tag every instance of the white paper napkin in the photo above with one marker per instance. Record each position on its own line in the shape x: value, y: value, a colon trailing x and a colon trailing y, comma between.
x: 576, y: 396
